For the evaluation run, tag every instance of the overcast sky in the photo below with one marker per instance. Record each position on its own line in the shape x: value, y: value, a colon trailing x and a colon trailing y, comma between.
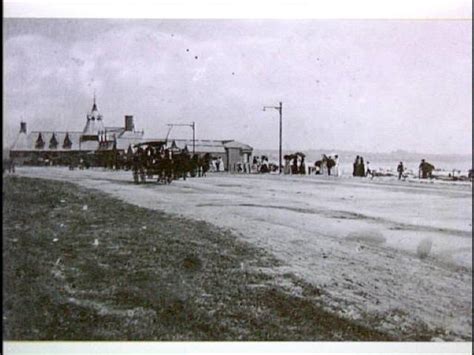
x: 368, y: 85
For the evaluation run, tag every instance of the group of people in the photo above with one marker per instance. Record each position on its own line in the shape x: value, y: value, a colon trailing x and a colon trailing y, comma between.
x: 425, y: 169
x: 262, y: 165
x: 217, y: 164
x: 328, y: 165
x: 294, y: 164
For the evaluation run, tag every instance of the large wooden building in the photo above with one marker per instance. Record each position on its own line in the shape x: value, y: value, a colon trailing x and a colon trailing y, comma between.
x: 93, y: 143
x: 100, y: 145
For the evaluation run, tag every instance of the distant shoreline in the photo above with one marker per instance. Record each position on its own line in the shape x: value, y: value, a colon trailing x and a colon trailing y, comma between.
x: 460, y: 156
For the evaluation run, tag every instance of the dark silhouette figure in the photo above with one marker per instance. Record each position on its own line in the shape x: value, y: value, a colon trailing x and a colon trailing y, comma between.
x: 400, y: 169
x: 302, y: 166
x: 294, y: 167
x: 330, y: 163
x: 356, y: 163
x: 425, y: 169
x: 361, y: 167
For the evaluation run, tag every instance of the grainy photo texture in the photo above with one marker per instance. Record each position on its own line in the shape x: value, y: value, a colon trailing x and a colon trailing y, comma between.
x: 244, y: 180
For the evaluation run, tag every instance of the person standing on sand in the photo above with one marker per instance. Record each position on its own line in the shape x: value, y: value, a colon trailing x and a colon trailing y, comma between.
x: 425, y: 170
x: 317, y: 167
x: 336, y: 165
x: 360, y: 167
x: 302, y: 166
x: 400, y: 170
x: 294, y: 167
x: 355, y: 166
x: 330, y: 163
x: 221, y: 164
x: 287, y: 168
x: 368, y: 171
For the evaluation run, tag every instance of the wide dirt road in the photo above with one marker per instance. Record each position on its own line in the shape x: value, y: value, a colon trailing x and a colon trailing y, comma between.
x: 361, y: 242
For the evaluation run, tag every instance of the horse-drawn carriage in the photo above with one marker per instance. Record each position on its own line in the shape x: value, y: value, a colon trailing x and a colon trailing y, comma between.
x: 150, y: 160
x: 154, y: 159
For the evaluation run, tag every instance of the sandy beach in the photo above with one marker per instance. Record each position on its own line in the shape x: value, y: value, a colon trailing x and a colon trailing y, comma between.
x: 398, y: 254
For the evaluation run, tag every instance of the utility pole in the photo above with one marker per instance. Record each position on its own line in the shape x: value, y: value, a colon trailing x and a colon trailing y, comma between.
x: 194, y: 137
x: 192, y: 125
x: 280, y: 110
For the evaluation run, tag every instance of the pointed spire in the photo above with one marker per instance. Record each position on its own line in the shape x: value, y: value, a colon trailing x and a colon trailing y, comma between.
x: 94, y: 106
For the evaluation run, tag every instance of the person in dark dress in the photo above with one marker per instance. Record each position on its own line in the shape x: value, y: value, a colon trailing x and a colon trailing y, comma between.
x: 355, y: 165
x: 400, y: 169
x: 294, y: 167
x: 362, y: 167
x: 302, y: 166
x: 425, y: 169
x: 330, y: 164
x: 317, y: 167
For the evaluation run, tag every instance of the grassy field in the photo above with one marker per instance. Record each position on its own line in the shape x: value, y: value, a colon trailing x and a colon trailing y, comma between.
x: 78, y: 265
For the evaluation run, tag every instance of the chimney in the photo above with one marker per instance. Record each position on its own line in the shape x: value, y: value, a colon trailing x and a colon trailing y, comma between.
x: 129, y: 126
x: 22, y: 127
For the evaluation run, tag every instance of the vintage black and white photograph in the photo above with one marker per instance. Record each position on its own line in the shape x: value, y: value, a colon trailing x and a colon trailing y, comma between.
x: 237, y: 180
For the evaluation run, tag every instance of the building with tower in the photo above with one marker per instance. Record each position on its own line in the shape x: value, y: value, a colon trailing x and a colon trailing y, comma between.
x: 93, y: 144
x: 100, y: 145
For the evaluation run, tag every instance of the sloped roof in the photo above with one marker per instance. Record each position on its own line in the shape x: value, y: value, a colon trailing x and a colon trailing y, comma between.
x: 131, y: 135
x: 206, y: 149
x: 93, y: 125
x: 202, y: 142
x: 94, y: 122
x: 124, y: 142
x: 235, y: 144
x: 201, y: 146
x: 115, y: 129
x: 30, y: 141
x: 21, y: 142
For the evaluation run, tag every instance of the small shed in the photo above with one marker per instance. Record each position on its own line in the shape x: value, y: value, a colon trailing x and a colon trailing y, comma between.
x: 237, y: 154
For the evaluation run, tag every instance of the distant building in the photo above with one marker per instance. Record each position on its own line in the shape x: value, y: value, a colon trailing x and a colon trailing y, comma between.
x: 62, y: 147
x: 231, y: 152
x: 102, y: 146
